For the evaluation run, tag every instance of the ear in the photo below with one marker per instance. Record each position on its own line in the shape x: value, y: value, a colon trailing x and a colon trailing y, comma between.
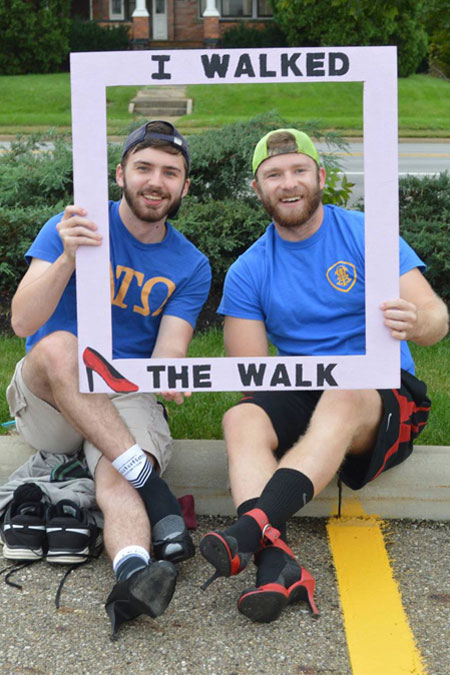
x: 322, y: 177
x: 255, y: 186
x: 186, y: 188
x: 119, y: 175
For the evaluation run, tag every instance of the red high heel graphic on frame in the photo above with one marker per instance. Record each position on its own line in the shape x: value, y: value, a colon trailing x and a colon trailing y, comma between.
x: 97, y: 363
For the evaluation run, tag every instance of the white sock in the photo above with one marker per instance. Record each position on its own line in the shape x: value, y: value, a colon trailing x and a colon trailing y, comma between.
x: 134, y: 465
x: 128, y: 552
x: 130, y: 560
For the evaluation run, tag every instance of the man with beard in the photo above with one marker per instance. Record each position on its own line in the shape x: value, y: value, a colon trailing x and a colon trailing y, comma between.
x: 159, y: 282
x: 301, y: 286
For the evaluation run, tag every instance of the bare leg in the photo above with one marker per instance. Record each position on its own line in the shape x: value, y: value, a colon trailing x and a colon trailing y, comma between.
x: 126, y: 520
x: 251, y: 441
x: 344, y: 421
x: 50, y: 371
x: 149, y: 589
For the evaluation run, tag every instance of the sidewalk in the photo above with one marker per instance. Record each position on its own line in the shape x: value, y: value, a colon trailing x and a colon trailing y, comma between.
x: 418, y: 488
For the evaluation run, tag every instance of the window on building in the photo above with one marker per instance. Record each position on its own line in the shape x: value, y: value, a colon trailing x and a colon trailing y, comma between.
x: 116, y: 9
x: 240, y: 9
x: 232, y: 8
x: 264, y: 8
x: 121, y: 9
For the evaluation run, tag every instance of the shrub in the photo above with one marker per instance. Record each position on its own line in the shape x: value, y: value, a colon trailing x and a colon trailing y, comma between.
x: 243, y: 36
x: 221, y: 215
x: 356, y: 22
x: 88, y: 36
x: 222, y: 229
x: 35, y: 184
x: 221, y: 159
x: 34, y: 36
x: 425, y: 224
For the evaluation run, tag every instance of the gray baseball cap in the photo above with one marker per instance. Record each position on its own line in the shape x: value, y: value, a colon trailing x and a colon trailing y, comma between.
x: 174, y: 138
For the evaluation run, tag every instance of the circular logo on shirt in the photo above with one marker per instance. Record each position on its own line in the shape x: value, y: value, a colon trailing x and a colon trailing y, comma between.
x: 342, y: 275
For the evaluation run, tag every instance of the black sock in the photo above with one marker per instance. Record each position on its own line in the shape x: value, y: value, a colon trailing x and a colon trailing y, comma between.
x: 270, y: 563
x: 286, y: 492
x: 134, y: 465
x: 159, y: 499
x: 246, y: 530
x: 251, y: 504
x: 248, y: 505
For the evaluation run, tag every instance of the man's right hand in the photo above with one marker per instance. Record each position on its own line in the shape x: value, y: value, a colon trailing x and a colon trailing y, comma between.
x: 75, y: 230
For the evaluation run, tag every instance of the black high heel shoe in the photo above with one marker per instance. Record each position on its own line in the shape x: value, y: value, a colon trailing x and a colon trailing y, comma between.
x: 148, y: 591
x: 97, y: 363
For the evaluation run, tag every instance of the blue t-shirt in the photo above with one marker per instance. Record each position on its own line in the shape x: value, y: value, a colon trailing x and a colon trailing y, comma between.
x: 171, y: 277
x: 309, y: 294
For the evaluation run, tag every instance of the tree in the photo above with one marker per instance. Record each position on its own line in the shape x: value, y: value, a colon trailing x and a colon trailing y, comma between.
x: 34, y: 36
x: 437, y: 25
x: 316, y: 23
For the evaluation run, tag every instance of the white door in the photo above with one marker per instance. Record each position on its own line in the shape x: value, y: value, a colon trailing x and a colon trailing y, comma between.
x: 159, y: 19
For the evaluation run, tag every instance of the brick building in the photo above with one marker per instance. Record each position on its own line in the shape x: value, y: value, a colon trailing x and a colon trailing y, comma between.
x: 175, y: 23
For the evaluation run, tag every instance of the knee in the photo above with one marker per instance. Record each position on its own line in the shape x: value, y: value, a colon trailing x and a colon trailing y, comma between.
x: 56, y: 354
x: 246, y: 424
x: 236, y: 419
x: 347, y: 402
x: 356, y: 408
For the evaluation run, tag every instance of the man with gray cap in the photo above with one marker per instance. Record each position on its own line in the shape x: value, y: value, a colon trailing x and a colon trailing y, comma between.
x: 301, y: 286
x: 159, y: 282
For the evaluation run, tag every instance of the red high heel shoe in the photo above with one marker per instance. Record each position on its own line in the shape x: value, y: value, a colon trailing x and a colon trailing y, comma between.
x: 97, y: 363
x: 221, y: 550
x: 265, y: 603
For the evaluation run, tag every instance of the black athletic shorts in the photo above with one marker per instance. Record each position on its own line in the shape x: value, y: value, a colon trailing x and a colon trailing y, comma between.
x: 405, y: 414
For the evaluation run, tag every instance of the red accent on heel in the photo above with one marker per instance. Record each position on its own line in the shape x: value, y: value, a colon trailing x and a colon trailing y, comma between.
x: 304, y: 590
x: 264, y: 604
x: 216, y: 548
x: 97, y: 363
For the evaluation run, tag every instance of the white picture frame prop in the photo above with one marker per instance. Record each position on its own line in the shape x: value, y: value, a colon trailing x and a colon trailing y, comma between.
x: 376, y: 68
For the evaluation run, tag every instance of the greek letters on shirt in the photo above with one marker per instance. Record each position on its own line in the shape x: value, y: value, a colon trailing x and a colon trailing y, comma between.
x: 154, y: 291
x: 342, y: 275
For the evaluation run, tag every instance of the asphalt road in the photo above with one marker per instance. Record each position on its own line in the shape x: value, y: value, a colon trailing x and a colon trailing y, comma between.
x: 417, y: 158
x: 202, y: 633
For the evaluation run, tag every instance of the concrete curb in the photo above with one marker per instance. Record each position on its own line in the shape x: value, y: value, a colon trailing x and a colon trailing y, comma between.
x: 419, y: 488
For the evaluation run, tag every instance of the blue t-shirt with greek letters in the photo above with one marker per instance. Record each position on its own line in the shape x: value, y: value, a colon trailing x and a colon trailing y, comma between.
x: 171, y: 277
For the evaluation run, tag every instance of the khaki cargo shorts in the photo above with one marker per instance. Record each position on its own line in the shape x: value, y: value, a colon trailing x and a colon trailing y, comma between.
x: 45, y: 428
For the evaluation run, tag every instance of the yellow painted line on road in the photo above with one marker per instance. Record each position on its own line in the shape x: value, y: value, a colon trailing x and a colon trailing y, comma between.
x: 379, y: 639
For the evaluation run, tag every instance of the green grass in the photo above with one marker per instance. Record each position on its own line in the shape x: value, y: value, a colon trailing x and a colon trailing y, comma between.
x: 200, y: 415
x: 423, y: 104
x: 38, y: 102
x: 433, y: 367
